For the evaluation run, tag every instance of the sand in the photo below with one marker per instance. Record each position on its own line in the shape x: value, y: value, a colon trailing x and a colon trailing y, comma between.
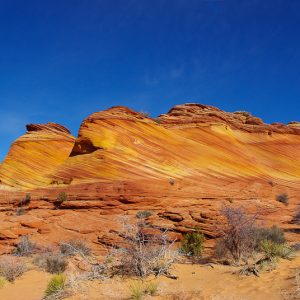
x: 203, y: 281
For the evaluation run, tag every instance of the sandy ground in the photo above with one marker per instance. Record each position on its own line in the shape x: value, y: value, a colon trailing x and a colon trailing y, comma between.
x: 204, y: 282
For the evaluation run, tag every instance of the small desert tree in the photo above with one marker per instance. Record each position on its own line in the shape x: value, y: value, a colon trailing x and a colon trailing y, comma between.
x: 143, y: 253
x: 238, y: 233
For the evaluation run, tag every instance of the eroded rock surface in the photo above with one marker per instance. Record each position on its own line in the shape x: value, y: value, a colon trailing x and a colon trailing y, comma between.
x: 182, y: 166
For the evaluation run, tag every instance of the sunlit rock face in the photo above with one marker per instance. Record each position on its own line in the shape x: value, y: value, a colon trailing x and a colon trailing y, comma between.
x: 34, y: 157
x: 183, y: 166
x: 190, y: 142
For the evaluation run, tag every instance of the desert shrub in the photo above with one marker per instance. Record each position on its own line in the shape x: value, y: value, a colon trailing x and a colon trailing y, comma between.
x: 25, y: 247
x: 56, y: 264
x: 241, y: 237
x: 271, y: 183
x: 273, y: 250
x: 143, y: 214
x: 70, y: 248
x: 192, y: 243
x: 172, y: 181
x: 62, y: 197
x: 141, y: 253
x: 20, y: 211
x: 297, y: 216
x: 283, y: 198
x: 145, y: 114
x: 25, y: 201
x: 55, y: 287
x: 274, y: 234
x: 40, y: 260
x: 2, y: 282
x: 220, y: 249
x: 53, y: 263
x: 11, y: 268
x: 238, y: 234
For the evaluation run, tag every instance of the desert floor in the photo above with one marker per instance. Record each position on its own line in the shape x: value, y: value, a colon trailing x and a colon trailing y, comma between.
x: 194, y: 282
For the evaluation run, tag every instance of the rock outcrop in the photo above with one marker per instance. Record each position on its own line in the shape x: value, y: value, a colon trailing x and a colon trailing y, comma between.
x: 34, y: 157
x: 183, y: 166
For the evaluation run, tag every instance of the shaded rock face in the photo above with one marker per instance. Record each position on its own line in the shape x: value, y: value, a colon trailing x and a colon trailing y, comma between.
x: 83, y: 146
x: 49, y: 127
x: 182, y: 166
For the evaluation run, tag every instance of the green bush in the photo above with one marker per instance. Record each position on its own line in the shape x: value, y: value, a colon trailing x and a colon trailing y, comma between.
x: 273, y: 250
x: 283, y: 198
x: 192, y: 243
x: 56, y: 285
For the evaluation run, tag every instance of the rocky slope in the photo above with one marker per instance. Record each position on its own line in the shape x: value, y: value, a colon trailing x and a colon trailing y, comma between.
x: 182, y: 166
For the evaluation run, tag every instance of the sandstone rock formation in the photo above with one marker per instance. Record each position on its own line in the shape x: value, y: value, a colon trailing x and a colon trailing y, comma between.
x: 36, y: 155
x: 183, y: 166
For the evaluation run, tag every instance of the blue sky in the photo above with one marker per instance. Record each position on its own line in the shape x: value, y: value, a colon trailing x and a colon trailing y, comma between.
x: 62, y: 60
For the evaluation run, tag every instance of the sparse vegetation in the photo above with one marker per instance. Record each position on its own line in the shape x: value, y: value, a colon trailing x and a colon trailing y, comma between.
x: 62, y: 197
x: 139, y: 290
x: 55, y: 287
x: 70, y: 248
x: 273, y: 234
x: 192, y: 243
x: 53, y: 263
x: 56, y: 264
x: 11, y: 267
x: 242, y: 238
x: 2, y: 282
x: 273, y: 250
x: 283, y: 198
x: 172, y: 181
x: 145, y: 114
x: 25, y: 247
x: 143, y: 253
x: 297, y: 216
x: 25, y: 201
x: 143, y: 214
x: 237, y: 234
x: 271, y: 183
x: 151, y: 288
x: 20, y: 211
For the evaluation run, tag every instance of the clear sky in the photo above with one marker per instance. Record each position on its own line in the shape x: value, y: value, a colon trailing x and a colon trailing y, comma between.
x: 61, y: 60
